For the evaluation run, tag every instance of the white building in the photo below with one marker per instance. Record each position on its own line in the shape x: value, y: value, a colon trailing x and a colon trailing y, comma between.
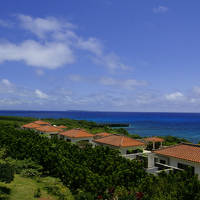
x: 76, y: 135
x: 120, y: 142
x: 180, y: 156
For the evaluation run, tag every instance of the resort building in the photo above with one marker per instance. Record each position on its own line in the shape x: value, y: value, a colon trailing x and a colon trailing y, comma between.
x: 154, y: 141
x: 30, y: 126
x: 48, y: 130
x: 122, y: 143
x: 180, y: 156
x: 76, y: 135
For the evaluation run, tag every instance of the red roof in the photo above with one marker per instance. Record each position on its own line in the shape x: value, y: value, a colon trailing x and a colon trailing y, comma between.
x: 31, y: 125
x: 48, y: 129
x: 41, y: 122
x: 189, y: 152
x: 119, y: 141
x: 154, y: 139
x: 77, y: 133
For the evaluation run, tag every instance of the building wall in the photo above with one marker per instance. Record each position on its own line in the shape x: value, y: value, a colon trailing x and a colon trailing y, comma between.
x: 123, y: 150
x: 74, y: 140
x: 173, y: 162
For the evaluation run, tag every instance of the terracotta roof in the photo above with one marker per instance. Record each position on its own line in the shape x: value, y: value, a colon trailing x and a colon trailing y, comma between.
x: 154, y: 139
x: 189, y: 152
x: 48, y: 129
x: 119, y: 141
x: 104, y: 134
x: 77, y: 133
x: 61, y: 126
x: 41, y: 122
x: 31, y: 125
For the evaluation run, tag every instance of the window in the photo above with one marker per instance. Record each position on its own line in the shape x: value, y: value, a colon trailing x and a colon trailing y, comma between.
x: 186, y: 167
x: 163, y: 161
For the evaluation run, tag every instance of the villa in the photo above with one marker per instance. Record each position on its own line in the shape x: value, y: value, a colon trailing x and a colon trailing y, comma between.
x: 30, y: 126
x: 48, y: 130
x: 76, y: 135
x: 178, y: 157
x: 122, y: 143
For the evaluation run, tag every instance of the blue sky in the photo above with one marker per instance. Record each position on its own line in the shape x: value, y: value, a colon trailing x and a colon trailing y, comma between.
x: 105, y: 55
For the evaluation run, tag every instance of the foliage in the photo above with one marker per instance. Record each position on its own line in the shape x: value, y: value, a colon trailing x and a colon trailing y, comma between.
x: 20, y: 165
x: 171, y: 140
x: 31, y: 173
x: 37, y: 193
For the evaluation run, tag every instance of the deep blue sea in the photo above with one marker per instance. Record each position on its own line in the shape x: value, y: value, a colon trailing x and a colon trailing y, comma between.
x: 186, y: 125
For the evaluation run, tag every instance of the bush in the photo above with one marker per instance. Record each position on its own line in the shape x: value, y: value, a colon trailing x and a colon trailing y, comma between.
x: 31, y: 173
x: 37, y: 193
x: 6, y: 172
x: 20, y: 165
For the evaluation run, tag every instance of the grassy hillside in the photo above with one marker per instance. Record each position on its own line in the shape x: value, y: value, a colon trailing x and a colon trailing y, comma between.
x: 22, y: 188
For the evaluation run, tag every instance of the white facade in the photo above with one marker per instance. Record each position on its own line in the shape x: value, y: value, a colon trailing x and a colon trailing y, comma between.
x: 171, y: 161
x: 123, y: 150
x: 74, y: 140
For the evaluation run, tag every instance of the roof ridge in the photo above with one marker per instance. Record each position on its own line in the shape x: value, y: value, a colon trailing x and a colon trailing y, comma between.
x: 167, y: 147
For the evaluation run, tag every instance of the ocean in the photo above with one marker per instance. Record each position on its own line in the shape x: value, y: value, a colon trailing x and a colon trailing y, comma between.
x: 185, y: 125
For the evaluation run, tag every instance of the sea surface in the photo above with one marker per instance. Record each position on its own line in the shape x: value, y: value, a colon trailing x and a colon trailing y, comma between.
x: 184, y: 125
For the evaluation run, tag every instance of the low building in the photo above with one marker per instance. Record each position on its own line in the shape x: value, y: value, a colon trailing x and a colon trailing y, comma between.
x: 123, y: 143
x: 30, y: 126
x: 180, y: 156
x: 76, y: 135
x: 48, y: 130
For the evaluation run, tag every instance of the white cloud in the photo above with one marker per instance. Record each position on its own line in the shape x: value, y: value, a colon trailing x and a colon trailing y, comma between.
x: 55, y: 45
x: 41, y: 94
x: 126, y: 84
x: 6, y: 82
x: 196, y: 90
x: 39, y: 72
x: 174, y: 96
x: 75, y: 77
x: 160, y: 9
x: 92, y: 44
x: 112, y: 61
x: 49, y: 55
x: 42, y: 26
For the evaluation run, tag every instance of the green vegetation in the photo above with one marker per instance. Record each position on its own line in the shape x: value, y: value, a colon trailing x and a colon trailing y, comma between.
x: 90, y: 173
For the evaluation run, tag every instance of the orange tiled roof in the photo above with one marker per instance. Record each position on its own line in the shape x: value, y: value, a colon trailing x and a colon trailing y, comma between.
x: 76, y: 133
x: 41, y: 122
x: 119, y: 141
x: 189, y: 152
x: 31, y: 125
x: 154, y: 139
x: 48, y: 129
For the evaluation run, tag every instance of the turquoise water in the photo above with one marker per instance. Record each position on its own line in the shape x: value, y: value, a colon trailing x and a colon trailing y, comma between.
x: 186, y: 125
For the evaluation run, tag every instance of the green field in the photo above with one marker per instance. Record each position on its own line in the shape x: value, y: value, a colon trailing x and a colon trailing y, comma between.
x: 24, y: 188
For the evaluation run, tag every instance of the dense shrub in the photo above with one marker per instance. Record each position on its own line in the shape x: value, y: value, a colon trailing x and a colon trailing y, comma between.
x: 31, y: 173
x: 6, y: 172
